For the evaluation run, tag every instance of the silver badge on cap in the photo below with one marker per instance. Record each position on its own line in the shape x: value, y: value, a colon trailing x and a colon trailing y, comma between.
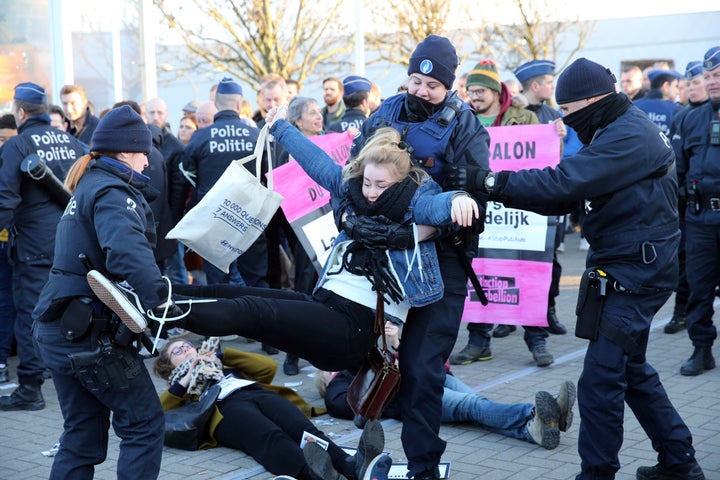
x: 426, y: 66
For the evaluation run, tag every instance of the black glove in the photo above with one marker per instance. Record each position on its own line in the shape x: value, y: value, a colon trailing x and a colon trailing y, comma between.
x: 173, y: 311
x: 379, y: 232
x: 465, y: 177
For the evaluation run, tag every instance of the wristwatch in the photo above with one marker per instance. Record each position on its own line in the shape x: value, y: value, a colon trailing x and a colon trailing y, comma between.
x: 490, y: 182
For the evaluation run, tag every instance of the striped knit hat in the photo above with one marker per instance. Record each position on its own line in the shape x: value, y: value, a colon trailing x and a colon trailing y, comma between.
x: 484, y: 74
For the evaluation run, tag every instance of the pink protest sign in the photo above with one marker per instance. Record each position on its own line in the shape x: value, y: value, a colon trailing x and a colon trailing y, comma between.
x: 516, y: 249
x: 301, y: 194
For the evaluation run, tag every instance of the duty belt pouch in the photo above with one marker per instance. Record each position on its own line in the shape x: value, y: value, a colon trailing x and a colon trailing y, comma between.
x: 76, y: 320
x: 591, y: 298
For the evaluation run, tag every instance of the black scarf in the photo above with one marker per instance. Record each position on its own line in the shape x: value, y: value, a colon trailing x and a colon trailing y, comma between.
x: 372, y: 262
x: 418, y: 109
x: 595, y: 116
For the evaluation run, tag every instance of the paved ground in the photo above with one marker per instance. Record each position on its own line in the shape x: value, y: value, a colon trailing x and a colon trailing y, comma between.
x: 474, y: 453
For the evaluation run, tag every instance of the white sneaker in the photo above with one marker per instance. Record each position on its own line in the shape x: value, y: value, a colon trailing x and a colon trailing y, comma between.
x: 120, y: 299
x: 584, y: 245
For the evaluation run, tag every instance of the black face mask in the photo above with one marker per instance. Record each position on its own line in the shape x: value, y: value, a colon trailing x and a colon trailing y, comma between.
x: 590, y: 119
x: 418, y: 109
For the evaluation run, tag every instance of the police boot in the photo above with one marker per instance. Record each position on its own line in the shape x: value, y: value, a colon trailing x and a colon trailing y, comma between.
x: 25, y: 397
x: 701, y: 360
x: 677, y: 322
x: 554, y: 325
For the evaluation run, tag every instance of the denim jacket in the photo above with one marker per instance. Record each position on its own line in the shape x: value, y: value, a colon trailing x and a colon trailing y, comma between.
x: 417, y: 270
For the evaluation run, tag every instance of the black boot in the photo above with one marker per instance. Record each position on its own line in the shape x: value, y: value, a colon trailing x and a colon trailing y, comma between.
x: 677, y: 322
x: 554, y: 325
x: 290, y: 366
x: 25, y: 397
x: 701, y: 360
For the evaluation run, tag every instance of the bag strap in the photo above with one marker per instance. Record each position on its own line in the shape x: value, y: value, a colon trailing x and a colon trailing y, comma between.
x: 262, y: 145
x: 380, y: 321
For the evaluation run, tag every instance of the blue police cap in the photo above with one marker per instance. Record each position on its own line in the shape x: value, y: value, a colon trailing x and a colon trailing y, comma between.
x: 712, y: 59
x: 228, y: 86
x: 534, y: 68
x: 654, y: 74
x: 693, y: 69
x: 354, y: 83
x: 31, y: 93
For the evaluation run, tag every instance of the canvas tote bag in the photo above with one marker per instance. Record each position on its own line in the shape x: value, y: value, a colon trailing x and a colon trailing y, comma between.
x: 234, y: 212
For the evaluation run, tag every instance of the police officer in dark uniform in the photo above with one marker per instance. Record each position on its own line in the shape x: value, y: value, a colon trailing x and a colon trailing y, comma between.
x: 632, y: 264
x: 699, y: 158
x: 356, y: 92
x: 208, y: 154
x: 440, y: 130
x: 697, y: 96
x: 30, y: 208
x: 659, y: 102
x: 96, y: 368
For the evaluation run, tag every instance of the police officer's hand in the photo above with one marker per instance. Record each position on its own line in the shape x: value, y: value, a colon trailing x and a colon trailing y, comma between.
x: 465, y: 177
x: 379, y: 232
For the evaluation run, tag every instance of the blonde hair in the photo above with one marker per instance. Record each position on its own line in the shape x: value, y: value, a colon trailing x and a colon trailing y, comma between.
x: 385, y: 148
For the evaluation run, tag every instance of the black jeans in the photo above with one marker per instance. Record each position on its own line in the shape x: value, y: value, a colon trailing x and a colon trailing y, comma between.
x: 269, y: 428
x: 331, y: 332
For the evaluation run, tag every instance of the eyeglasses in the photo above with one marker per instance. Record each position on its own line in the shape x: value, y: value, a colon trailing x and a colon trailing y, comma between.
x: 182, y: 348
x: 475, y: 93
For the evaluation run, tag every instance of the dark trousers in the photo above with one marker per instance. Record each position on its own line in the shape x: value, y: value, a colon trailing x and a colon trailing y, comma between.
x: 428, y: 338
x: 329, y: 331
x: 611, y: 378
x: 28, y: 280
x: 702, y: 266
x: 7, y: 307
x: 682, y: 293
x: 269, y: 428
x: 137, y: 416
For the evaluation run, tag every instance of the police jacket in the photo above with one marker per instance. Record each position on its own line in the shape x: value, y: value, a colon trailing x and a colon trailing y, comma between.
x: 26, y: 207
x: 626, y: 177
x: 700, y: 161
x: 462, y: 141
x: 352, y: 118
x: 211, y: 149
x: 543, y: 112
x: 659, y: 111
x: 109, y: 220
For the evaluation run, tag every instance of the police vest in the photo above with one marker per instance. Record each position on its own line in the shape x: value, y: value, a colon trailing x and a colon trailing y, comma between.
x: 428, y: 138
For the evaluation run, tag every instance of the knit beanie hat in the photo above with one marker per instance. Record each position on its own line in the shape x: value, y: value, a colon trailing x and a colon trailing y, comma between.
x: 121, y: 130
x: 485, y: 74
x: 435, y: 57
x: 583, y: 79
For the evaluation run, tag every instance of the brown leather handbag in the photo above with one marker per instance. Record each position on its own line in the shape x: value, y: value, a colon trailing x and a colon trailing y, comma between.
x: 378, y: 378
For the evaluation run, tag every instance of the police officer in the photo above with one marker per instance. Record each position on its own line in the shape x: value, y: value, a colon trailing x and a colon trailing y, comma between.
x: 356, y: 97
x: 208, y: 154
x: 698, y: 156
x: 632, y: 262
x: 441, y: 130
x: 31, y: 211
x: 96, y: 369
x: 659, y: 102
x: 697, y: 96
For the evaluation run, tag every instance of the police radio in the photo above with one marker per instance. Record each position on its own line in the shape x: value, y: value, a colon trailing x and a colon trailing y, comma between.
x: 450, y: 110
x: 715, y: 132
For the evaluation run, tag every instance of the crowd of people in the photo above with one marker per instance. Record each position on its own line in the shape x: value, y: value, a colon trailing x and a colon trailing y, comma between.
x: 87, y: 275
